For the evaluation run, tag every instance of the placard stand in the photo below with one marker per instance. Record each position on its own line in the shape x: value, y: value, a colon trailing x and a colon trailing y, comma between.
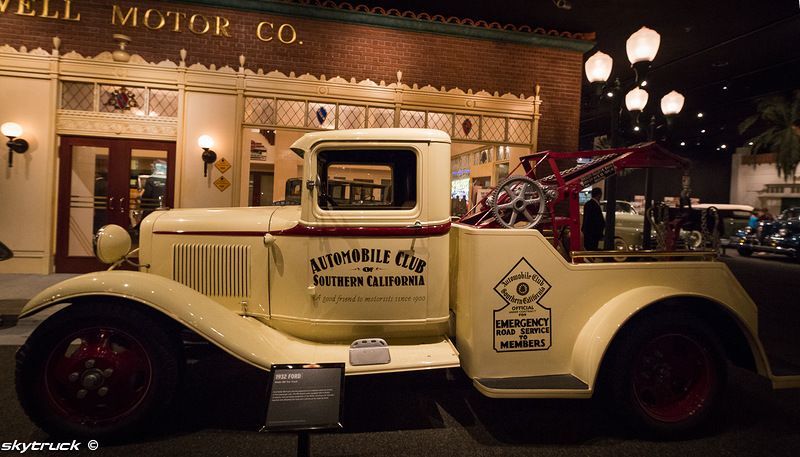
x: 304, y: 397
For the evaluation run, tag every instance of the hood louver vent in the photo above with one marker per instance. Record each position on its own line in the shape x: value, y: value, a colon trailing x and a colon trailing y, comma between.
x: 217, y: 270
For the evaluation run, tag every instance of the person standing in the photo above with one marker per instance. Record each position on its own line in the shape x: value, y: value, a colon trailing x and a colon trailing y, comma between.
x: 593, y: 222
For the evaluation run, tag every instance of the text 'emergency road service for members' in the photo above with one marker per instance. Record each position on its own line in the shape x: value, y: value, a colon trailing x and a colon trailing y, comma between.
x: 522, y: 324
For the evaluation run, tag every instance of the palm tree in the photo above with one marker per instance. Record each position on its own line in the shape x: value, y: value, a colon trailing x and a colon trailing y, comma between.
x: 778, y: 118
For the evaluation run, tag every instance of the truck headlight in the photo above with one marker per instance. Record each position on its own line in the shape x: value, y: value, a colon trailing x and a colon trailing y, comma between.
x: 111, y: 243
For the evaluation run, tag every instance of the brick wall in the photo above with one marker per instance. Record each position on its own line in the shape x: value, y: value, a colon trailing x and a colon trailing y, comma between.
x: 330, y: 48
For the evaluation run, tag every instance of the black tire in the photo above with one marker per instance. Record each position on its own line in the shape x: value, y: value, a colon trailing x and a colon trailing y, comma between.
x: 744, y: 252
x: 665, y: 374
x: 64, y: 366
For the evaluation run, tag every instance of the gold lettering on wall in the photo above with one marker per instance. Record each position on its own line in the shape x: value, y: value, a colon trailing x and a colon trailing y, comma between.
x: 152, y: 18
x: 222, y: 27
x: 281, y: 35
x: 176, y: 26
x: 46, y: 11
x: 160, y: 22
x: 260, y: 31
x: 132, y: 14
x: 24, y: 8
x: 192, y: 25
x: 67, y: 11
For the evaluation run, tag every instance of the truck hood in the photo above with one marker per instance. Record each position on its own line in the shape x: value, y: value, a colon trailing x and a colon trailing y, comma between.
x: 231, y: 221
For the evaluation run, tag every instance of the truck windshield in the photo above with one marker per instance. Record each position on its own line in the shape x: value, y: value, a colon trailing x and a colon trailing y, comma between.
x: 367, y: 179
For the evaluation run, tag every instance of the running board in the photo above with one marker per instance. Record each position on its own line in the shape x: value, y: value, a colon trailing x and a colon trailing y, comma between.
x: 550, y: 386
x: 785, y: 382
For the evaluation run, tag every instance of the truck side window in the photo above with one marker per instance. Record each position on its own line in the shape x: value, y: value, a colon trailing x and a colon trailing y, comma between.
x: 366, y: 179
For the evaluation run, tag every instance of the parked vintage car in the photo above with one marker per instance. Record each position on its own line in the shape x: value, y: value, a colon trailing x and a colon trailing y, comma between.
x: 628, y: 226
x: 307, y: 284
x: 779, y: 236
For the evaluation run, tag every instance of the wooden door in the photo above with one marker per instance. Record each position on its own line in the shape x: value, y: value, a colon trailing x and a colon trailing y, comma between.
x: 107, y: 181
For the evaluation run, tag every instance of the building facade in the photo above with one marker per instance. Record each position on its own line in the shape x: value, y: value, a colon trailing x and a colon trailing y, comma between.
x: 113, y: 98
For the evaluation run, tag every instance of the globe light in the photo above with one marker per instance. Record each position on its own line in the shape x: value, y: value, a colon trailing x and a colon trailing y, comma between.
x: 672, y: 103
x: 11, y: 129
x: 598, y: 67
x: 642, y: 46
x: 636, y: 99
x: 205, y: 142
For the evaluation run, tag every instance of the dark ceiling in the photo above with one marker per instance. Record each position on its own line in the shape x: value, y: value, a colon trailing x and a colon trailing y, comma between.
x: 722, y: 56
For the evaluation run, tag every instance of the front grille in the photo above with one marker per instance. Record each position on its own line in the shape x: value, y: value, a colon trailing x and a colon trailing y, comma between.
x: 218, y: 270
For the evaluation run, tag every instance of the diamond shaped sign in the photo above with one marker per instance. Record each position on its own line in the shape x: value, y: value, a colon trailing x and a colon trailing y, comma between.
x: 223, y: 165
x: 522, y: 323
x: 222, y: 183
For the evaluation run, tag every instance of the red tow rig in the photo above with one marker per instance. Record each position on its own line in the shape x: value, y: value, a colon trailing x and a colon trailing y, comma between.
x: 526, y: 201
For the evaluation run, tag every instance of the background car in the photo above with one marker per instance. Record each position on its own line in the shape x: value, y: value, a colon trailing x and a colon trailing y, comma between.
x: 779, y: 236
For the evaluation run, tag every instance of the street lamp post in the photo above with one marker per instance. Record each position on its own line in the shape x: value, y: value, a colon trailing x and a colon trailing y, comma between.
x: 641, y: 48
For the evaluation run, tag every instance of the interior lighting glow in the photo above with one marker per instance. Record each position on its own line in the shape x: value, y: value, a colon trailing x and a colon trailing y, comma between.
x: 699, y: 114
x: 205, y: 142
x: 11, y: 129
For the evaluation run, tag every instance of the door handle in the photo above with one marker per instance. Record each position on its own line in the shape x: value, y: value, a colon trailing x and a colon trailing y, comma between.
x: 111, y: 203
x: 122, y: 205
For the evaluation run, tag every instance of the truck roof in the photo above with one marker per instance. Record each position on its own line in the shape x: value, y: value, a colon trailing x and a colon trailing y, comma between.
x: 391, y: 134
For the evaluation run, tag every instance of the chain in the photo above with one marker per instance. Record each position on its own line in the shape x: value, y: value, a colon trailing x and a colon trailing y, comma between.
x: 658, y: 216
x: 714, y: 235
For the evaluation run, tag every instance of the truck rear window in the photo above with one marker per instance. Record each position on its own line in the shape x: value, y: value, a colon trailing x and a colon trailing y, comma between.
x: 367, y: 179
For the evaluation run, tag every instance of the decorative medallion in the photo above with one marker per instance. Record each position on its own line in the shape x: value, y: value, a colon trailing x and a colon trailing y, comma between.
x: 222, y: 183
x: 222, y: 165
x: 122, y: 99
x: 466, y: 126
x: 322, y: 114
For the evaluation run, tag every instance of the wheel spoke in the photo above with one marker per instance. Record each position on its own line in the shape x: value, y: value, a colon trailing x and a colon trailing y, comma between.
x: 513, y: 218
x: 527, y: 215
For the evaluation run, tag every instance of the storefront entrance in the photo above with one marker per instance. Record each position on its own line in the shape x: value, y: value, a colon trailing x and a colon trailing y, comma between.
x: 107, y: 181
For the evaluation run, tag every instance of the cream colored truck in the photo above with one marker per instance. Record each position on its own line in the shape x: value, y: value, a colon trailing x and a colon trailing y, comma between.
x: 331, y: 280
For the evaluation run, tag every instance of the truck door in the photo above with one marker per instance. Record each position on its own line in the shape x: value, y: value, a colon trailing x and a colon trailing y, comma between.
x: 372, y: 256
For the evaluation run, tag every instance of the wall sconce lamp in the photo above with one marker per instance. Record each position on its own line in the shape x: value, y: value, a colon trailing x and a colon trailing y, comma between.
x: 209, y: 156
x: 15, y: 144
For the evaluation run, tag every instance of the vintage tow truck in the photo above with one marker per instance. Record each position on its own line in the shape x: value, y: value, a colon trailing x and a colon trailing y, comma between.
x: 389, y: 286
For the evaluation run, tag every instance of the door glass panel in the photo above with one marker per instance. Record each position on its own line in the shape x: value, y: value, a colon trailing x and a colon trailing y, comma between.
x: 147, y: 189
x: 88, y: 202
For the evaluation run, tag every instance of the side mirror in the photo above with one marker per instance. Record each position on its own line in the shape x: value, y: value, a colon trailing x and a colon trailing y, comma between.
x: 5, y: 252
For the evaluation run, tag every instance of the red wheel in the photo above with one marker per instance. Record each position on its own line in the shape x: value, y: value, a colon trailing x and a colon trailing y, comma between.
x: 673, y: 376
x: 665, y: 374
x: 97, y: 375
x: 97, y: 370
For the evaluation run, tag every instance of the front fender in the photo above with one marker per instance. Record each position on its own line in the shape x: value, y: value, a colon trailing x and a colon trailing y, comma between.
x: 243, y: 337
x: 598, y: 332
